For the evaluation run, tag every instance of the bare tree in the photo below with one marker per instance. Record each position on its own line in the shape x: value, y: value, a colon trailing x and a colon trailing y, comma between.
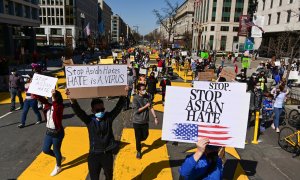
x: 166, y: 18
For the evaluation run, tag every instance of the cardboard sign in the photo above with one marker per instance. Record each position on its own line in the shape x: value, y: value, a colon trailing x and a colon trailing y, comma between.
x: 293, y: 75
x: 96, y: 80
x: 143, y: 71
x: 131, y: 58
x: 42, y: 85
x: 210, y: 70
x: 228, y: 75
x: 206, y: 76
x: 212, y: 113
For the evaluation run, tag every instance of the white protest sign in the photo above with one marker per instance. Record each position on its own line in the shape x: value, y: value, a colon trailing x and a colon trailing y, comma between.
x: 115, y: 54
x: 293, y: 75
x: 96, y: 76
x: 131, y: 58
x: 277, y: 63
x: 184, y: 53
x: 234, y: 86
x: 219, y: 115
x: 143, y: 71
x: 42, y: 85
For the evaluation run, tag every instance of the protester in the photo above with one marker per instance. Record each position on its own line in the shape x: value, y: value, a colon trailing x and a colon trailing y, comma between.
x: 55, y: 131
x: 278, y: 106
x: 30, y: 101
x: 130, y: 82
x: 204, y: 164
x: 102, y: 142
x: 267, y: 111
x: 151, y: 82
x: 159, y: 67
x: 163, y: 85
x: 236, y: 68
x: 15, y: 88
x: 141, y: 106
x: 222, y: 60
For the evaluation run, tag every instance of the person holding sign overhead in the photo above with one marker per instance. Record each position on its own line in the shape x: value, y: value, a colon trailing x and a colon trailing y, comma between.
x: 102, y: 142
x: 141, y: 106
x: 203, y: 164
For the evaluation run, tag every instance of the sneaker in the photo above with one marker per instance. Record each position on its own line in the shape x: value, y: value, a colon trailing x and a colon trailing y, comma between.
x: 56, y: 171
x: 273, y: 126
x: 38, y: 122
x: 12, y: 110
x: 139, y: 155
x: 21, y: 126
x: 277, y: 130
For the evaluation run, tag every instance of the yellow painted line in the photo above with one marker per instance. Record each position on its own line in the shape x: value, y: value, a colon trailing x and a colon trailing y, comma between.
x: 240, y: 173
x: 75, y: 148
x: 232, y: 152
x: 107, y: 61
x: 154, y: 163
x: 5, y: 98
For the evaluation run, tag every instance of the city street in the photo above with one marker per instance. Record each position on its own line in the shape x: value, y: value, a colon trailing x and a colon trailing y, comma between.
x: 22, y: 157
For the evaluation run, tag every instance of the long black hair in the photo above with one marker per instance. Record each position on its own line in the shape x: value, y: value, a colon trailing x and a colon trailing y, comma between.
x: 58, y: 97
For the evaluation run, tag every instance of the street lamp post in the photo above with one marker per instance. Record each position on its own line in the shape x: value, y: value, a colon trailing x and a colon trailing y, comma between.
x: 82, y: 16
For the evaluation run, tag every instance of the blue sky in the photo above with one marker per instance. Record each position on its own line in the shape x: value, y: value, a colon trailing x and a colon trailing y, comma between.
x: 138, y: 12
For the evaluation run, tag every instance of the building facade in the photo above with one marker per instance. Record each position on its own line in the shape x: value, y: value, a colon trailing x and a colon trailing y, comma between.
x: 104, y: 23
x: 17, y: 19
x: 216, y: 24
x: 280, y: 17
x: 118, y: 29
x: 184, y: 24
x: 63, y: 22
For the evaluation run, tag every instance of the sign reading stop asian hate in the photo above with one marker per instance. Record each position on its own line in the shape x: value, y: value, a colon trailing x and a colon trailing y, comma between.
x: 96, y: 76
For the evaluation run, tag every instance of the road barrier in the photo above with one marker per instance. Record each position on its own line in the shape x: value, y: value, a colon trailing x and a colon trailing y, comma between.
x: 255, y: 136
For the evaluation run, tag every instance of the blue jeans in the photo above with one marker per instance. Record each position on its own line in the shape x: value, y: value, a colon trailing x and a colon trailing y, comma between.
x: 56, y: 142
x: 277, y: 112
x: 13, y: 93
x: 222, y: 63
x: 33, y: 103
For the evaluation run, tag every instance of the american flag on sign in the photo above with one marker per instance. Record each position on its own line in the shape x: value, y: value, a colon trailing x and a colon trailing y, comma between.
x: 217, y: 135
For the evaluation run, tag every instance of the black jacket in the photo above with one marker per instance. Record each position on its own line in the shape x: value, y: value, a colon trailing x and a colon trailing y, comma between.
x: 152, y: 85
x: 100, y: 132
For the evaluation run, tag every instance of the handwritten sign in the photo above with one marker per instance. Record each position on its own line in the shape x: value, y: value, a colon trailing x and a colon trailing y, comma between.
x: 210, y: 70
x: 143, y: 71
x: 96, y: 76
x: 206, y: 76
x: 277, y: 63
x: 191, y: 113
x: 184, y: 53
x: 42, y: 85
x: 234, y: 86
x: 228, y: 75
x: 293, y: 75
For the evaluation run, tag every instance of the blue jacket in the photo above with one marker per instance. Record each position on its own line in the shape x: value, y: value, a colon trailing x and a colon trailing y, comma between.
x: 191, y: 169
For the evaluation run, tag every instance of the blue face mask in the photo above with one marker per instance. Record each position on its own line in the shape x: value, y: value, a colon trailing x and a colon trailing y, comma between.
x: 100, y: 115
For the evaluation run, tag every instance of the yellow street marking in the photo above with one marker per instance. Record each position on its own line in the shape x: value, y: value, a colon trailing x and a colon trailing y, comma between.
x: 5, y: 98
x: 240, y: 173
x: 107, y: 61
x: 75, y: 148
x: 154, y: 163
x: 232, y: 152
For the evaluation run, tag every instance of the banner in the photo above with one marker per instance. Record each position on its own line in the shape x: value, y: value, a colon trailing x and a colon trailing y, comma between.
x: 42, y: 85
x: 243, y: 28
x: 96, y: 80
x: 258, y: 21
x: 228, y: 74
x: 192, y: 113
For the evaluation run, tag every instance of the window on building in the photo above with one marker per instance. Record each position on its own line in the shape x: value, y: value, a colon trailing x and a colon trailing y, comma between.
x: 206, y: 28
x: 212, y: 28
x: 69, y: 32
x: 264, y: 4
x: 18, y: 9
x: 56, y: 31
x: 226, y: 10
x: 223, y: 43
x: 207, y: 10
x: 214, y: 11
x: 278, y: 17
x: 235, y: 39
x: 291, y: 1
x: 269, y: 21
x: 280, y: 2
x: 239, y: 7
x: 299, y: 15
x: 211, y: 41
x: 235, y: 29
x: 271, y: 5
x: 40, y: 31
x: 224, y: 28
x: 288, y: 16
